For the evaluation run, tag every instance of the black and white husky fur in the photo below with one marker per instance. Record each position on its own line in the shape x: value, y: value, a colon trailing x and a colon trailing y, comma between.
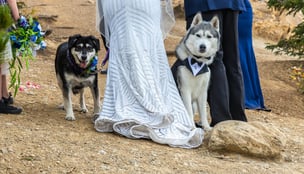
x: 191, y: 73
x: 75, y: 66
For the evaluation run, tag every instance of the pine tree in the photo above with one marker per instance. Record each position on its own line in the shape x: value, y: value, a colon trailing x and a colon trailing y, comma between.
x: 294, y: 45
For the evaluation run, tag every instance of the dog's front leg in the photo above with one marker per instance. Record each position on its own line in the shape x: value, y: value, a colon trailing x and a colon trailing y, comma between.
x: 68, y: 104
x: 202, y: 109
x: 82, y: 103
x: 186, y: 97
x: 96, y: 97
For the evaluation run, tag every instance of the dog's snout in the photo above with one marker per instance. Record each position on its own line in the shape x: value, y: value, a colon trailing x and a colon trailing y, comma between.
x: 202, y: 48
x: 83, y: 57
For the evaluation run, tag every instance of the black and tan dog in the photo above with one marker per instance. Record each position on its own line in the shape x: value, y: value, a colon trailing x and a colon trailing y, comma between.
x: 76, y: 68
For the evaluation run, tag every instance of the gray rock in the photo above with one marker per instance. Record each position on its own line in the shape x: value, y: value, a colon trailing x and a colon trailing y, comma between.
x: 250, y: 138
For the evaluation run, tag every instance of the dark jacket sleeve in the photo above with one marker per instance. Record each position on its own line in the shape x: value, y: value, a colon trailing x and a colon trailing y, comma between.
x: 194, y: 6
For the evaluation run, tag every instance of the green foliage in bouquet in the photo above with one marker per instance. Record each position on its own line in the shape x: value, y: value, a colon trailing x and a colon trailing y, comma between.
x: 3, y: 40
x: 5, y: 22
x: 5, y: 17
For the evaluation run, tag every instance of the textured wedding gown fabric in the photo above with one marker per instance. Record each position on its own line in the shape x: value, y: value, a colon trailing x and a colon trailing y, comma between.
x: 141, y: 99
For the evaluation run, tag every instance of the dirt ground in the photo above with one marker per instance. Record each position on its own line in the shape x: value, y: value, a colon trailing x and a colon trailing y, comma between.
x: 40, y: 140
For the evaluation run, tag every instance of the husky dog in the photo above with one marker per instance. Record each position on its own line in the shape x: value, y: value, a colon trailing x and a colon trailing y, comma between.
x: 194, y: 53
x: 76, y: 68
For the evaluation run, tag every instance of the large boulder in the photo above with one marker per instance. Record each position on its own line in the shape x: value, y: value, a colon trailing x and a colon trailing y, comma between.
x: 250, y: 138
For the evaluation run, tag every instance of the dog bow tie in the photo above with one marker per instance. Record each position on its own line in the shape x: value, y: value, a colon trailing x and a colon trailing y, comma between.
x: 193, y: 61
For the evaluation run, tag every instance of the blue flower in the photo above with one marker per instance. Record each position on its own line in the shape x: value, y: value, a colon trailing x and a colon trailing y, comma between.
x: 23, y: 22
x: 17, y: 44
x: 94, y: 61
x: 33, y: 38
x: 36, y: 26
x: 42, y: 45
x: 13, y: 38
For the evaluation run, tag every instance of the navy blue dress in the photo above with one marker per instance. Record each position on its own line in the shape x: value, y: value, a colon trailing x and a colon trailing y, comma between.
x: 253, y: 93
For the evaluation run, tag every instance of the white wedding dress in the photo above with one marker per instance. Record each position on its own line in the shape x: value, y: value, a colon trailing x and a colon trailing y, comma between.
x: 141, y: 99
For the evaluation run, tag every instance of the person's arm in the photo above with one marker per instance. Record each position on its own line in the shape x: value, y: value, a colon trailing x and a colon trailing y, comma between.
x: 14, y: 8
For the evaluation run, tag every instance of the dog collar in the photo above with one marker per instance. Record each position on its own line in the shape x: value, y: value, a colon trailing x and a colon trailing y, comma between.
x: 91, y: 69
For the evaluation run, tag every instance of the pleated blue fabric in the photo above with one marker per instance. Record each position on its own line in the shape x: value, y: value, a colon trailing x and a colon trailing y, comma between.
x: 253, y: 93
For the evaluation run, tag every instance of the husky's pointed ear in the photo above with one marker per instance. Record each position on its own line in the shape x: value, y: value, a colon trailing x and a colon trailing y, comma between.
x: 197, y: 19
x: 215, y: 22
x: 72, y: 40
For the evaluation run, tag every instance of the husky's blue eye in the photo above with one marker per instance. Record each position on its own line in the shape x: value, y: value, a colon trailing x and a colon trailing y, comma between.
x: 198, y: 35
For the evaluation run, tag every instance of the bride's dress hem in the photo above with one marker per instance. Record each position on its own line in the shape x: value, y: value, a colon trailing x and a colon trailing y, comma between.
x: 174, y: 134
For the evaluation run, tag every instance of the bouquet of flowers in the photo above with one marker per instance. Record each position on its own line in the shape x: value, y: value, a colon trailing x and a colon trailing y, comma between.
x: 26, y: 38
